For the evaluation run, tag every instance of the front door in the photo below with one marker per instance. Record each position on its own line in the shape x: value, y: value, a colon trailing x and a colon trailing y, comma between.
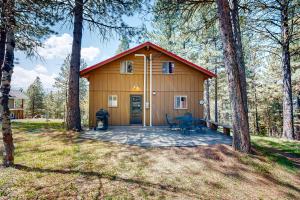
x: 136, y: 109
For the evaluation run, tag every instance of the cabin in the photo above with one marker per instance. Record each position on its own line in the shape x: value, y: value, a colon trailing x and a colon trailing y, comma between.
x: 143, y: 84
x: 16, y: 104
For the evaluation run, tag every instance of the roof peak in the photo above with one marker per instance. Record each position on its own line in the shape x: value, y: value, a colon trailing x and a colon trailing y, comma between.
x: 154, y: 46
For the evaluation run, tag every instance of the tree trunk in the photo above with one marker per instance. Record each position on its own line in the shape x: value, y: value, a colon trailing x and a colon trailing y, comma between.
x: 32, y: 108
x: 207, y: 103
x: 256, y: 112
x: 288, y: 122
x: 2, y: 37
x: 297, y: 131
x: 241, y: 136
x: 7, y: 70
x: 216, y: 95
x: 2, y: 47
x: 73, y: 109
x: 239, y: 48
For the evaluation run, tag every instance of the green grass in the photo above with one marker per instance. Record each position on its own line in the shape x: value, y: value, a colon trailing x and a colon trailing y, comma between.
x: 278, y: 150
x: 37, y: 126
x: 57, y: 164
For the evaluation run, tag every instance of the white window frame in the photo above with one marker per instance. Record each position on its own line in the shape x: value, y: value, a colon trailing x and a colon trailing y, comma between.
x: 162, y: 67
x: 180, y: 96
x: 111, y: 99
x: 125, y: 70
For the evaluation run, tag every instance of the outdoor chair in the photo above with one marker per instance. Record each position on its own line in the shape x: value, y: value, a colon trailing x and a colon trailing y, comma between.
x: 171, y: 122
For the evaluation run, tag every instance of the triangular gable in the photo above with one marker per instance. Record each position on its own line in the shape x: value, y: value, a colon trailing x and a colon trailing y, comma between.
x: 154, y: 46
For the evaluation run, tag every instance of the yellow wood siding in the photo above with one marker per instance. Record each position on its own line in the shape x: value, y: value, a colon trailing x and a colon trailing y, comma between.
x: 107, y: 80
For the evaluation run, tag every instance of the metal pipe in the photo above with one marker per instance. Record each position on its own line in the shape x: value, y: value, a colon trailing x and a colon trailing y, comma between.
x: 145, y: 87
x: 150, y: 93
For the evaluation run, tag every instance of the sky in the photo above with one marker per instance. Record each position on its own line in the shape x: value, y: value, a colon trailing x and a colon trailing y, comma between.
x: 55, y: 49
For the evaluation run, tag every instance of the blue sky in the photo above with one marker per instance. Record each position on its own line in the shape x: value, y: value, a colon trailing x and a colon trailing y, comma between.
x: 56, y: 48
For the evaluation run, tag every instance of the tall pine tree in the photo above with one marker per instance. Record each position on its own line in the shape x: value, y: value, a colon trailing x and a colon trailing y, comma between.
x: 35, y: 103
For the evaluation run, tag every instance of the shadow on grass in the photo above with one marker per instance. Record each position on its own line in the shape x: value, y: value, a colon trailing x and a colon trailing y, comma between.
x: 281, y: 183
x: 289, y: 160
x: 159, y: 186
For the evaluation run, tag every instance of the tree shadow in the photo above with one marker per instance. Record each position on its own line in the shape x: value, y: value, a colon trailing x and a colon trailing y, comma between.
x: 141, y: 183
x: 286, y: 159
x: 281, y: 183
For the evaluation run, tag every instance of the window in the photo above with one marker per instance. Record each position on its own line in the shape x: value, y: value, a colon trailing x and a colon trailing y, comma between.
x: 126, y: 67
x: 112, y: 101
x: 168, y: 67
x: 180, y: 102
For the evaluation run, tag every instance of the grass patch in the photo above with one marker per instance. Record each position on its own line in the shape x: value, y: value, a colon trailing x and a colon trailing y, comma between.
x: 259, y: 167
x: 37, y: 126
x: 278, y: 150
x: 55, y: 164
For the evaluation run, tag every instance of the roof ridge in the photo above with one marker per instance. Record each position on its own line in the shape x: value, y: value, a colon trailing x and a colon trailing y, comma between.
x: 131, y: 50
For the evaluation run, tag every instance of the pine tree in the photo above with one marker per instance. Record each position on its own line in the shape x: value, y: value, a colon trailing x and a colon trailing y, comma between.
x: 124, y: 44
x: 7, y: 70
x: 23, y: 25
x: 50, y: 105
x: 241, y: 139
x: 106, y: 18
x: 276, y: 22
x: 61, y: 85
x: 196, y: 18
x: 36, y: 94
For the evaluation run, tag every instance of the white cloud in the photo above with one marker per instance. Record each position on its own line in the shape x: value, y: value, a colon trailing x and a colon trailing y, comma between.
x: 41, y: 69
x: 90, y: 53
x: 58, y: 47
x: 23, y: 77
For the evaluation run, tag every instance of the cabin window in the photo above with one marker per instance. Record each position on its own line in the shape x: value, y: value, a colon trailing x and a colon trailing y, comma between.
x: 112, y: 101
x: 180, y: 102
x: 168, y: 67
x: 126, y: 67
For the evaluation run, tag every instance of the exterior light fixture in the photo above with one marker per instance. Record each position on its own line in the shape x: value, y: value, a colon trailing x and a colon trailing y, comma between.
x: 135, y: 87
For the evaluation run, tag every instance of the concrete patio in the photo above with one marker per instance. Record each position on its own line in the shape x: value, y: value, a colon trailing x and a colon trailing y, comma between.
x: 158, y: 136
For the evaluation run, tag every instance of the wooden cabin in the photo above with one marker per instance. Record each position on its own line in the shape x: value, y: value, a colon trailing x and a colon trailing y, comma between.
x: 143, y: 84
x: 16, y: 104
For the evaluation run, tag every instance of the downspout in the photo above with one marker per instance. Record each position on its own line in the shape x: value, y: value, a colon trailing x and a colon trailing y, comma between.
x: 145, y: 87
x: 150, y: 93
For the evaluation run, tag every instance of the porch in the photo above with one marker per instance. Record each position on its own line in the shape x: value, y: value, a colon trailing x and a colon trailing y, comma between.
x: 158, y: 136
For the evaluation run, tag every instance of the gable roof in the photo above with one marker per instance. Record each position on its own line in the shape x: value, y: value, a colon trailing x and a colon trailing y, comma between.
x: 16, y: 94
x: 154, y: 46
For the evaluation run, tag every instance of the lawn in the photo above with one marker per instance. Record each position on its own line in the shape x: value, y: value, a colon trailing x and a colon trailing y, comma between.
x: 54, y: 164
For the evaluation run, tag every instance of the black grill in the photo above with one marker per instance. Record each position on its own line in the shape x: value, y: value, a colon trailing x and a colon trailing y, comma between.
x: 102, y: 119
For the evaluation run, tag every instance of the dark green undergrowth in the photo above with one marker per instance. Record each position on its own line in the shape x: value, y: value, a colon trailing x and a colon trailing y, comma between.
x: 278, y: 150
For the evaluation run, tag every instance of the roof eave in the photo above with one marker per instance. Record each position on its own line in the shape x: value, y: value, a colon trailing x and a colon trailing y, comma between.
x: 87, y: 70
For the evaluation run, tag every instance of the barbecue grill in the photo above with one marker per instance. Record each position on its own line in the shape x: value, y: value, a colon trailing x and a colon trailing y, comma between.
x: 102, y: 119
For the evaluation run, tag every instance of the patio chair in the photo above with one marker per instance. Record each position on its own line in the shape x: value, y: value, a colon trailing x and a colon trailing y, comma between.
x: 186, y: 124
x: 170, y: 122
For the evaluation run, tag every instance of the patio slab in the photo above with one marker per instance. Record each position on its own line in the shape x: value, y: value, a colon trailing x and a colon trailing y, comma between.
x: 157, y: 136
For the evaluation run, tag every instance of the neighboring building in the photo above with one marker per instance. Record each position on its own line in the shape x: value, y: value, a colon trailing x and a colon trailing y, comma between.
x: 16, y: 104
x: 171, y: 85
